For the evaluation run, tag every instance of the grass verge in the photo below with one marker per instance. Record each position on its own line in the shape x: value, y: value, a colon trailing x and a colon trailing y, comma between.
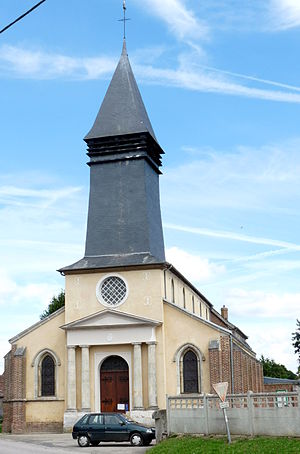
x: 210, y: 445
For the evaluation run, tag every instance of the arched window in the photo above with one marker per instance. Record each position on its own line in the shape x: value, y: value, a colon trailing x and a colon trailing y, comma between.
x: 190, y: 372
x: 193, y: 304
x: 172, y: 291
x: 188, y: 360
x: 200, y: 309
x: 183, y: 298
x: 46, y: 364
x: 47, y: 376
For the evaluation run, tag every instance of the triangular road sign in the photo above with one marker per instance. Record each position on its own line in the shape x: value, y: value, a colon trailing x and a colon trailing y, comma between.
x: 221, y: 390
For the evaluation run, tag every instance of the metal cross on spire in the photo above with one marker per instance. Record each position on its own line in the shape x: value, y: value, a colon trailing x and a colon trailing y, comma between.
x: 124, y: 18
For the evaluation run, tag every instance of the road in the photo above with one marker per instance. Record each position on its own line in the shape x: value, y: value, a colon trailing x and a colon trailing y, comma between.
x: 59, y: 444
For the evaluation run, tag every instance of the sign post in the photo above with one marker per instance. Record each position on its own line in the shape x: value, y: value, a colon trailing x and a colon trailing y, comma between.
x: 221, y: 390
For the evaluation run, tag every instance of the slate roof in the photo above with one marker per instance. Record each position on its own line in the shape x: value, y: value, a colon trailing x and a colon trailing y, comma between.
x: 278, y: 381
x: 122, y: 110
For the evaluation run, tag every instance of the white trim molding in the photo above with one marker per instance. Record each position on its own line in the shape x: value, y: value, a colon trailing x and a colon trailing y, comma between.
x: 178, y: 358
x: 99, y: 358
x: 36, y: 363
x: 99, y: 290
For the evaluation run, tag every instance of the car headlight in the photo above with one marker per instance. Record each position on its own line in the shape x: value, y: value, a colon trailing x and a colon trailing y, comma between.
x: 149, y: 431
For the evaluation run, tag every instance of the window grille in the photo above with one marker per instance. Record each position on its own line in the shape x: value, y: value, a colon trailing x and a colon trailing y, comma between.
x: 113, y: 290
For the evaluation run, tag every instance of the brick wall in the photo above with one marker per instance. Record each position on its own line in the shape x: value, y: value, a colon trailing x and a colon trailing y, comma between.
x: 247, y: 371
x: 272, y: 388
x: 14, y: 391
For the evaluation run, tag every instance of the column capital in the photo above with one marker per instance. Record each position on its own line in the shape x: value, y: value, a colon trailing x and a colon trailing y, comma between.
x: 151, y: 343
x: 84, y: 346
x: 136, y: 343
x: 71, y: 346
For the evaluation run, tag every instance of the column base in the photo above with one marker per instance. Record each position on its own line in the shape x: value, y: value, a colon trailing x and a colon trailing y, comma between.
x: 70, y: 418
x: 142, y: 416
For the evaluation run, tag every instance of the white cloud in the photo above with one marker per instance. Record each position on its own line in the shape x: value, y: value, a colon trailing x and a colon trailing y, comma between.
x: 36, y: 64
x: 273, y: 341
x: 181, y: 21
x: 285, y: 14
x: 24, y: 63
x: 234, y: 236
x: 263, y: 179
x: 195, y: 268
x: 35, y: 294
x: 260, y: 304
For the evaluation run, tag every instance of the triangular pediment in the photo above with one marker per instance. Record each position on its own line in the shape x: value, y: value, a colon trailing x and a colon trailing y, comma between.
x: 110, y: 318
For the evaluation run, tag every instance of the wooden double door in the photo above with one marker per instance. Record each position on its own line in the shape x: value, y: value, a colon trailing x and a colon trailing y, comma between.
x: 114, y: 385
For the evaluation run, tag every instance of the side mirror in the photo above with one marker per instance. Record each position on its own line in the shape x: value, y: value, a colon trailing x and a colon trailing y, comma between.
x: 122, y: 423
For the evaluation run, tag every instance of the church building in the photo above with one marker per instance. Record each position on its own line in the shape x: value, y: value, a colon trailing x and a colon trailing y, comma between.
x: 133, y: 329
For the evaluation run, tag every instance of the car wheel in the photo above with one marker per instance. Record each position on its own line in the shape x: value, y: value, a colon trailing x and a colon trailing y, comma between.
x: 136, y: 439
x: 83, y: 441
x: 95, y: 443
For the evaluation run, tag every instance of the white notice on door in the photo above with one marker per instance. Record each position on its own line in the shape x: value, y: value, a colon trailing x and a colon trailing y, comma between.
x: 121, y: 407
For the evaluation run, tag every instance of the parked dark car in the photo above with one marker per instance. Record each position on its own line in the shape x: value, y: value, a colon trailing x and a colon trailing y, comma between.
x: 93, y: 428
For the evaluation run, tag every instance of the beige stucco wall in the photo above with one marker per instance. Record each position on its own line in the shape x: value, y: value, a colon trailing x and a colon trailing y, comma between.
x: 200, y: 307
x: 180, y: 328
x: 45, y: 412
x: 144, y: 298
x: 47, y: 336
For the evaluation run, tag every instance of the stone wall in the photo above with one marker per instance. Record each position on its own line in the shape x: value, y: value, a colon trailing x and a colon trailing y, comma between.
x: 246, y: 370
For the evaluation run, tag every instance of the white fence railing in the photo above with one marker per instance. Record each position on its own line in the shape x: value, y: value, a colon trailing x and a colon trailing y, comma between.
x: 275, y: 413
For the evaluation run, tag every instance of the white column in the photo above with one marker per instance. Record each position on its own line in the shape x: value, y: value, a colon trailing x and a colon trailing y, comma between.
x: 71, y: 378
x: 152, y: 386
x: 137, y: 377
x: 85, y: 378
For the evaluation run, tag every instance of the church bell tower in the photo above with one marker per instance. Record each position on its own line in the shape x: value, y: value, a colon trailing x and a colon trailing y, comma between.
x: 124, y: 225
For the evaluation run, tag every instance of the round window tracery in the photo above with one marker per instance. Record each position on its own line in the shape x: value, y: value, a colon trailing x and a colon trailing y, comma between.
x: 112, y: 290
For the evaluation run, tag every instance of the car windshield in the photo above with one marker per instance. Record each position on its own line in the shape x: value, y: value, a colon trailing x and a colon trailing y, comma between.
x: 128, y: 420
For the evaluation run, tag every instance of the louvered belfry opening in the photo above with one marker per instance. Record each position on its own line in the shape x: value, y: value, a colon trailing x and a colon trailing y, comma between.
x: 48, y: 376
x: 190, y: 372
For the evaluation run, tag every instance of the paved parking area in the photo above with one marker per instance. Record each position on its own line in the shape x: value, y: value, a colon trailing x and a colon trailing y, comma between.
x: 60, y: 444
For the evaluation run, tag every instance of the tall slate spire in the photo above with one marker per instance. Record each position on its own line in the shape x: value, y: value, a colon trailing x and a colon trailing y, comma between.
x: 124, y: 221
x: 122, y: 110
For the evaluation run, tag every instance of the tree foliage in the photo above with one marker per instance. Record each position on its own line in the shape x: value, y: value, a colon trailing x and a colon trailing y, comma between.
x: 56, y: 303
x: 272, y: 369
x: 296, y: 340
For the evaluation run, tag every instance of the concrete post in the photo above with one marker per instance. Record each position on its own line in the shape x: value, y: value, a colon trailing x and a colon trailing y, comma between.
x: 250, y: 412
x: 205, y: 405
x: 85, y: 379
x: 152, y: 385
x: 137, y: 377
x: 71, y: 402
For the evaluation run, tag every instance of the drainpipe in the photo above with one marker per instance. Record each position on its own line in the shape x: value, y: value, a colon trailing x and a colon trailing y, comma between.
x: 231, y: 365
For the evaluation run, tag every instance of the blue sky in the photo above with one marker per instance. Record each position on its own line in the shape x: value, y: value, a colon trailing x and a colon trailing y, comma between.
x: 220, y: 81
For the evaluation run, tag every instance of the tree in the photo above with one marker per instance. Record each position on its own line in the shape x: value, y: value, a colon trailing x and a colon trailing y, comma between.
x: 272, y: 369
x: 56, y: 303
x: 296, y: 340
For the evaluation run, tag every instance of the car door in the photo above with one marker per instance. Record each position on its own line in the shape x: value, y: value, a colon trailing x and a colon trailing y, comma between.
x: 96, y: 427
x: 115, y: 428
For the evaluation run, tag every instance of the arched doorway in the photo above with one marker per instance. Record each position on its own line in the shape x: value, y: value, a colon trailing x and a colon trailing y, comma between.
x: 114, y: 385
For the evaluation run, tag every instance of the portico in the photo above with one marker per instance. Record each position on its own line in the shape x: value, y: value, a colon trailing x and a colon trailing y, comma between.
x: 89, y: 344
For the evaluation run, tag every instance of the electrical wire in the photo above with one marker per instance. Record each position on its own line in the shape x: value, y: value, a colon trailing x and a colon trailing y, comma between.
x: 21, y: 17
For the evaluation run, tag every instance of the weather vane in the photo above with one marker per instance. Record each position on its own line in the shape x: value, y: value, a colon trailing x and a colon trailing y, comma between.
x: 124, y: 18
